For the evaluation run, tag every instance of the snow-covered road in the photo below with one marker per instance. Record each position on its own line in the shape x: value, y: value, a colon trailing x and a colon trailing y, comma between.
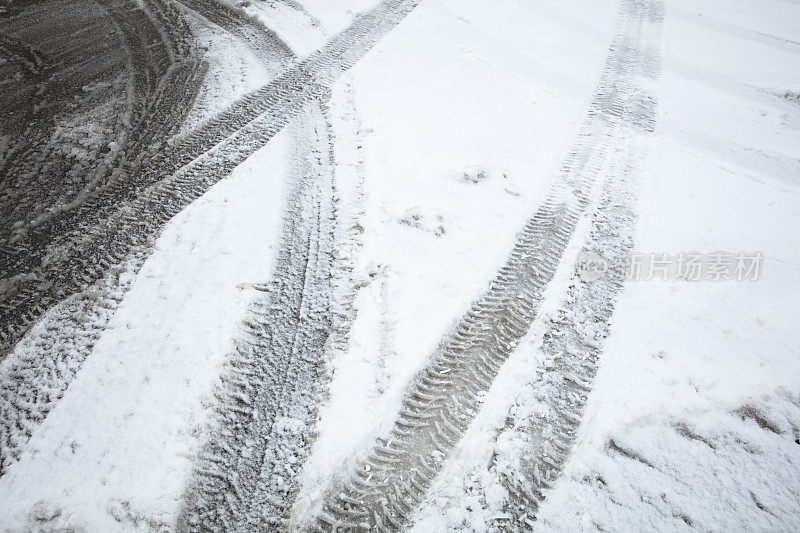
x: 303, y: 265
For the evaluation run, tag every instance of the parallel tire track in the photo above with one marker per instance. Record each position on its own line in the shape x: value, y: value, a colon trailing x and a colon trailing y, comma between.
x: 571, y: 349
x: 47, y: 265
x: 391, y: 481
x: 572, y: 343
x: 244, y: 477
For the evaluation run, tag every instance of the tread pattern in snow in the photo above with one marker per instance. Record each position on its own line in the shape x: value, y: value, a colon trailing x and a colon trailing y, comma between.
x: 297, y: 6
x: 162, y: 74
x: 69, y: 252
x: 35, y: 375
x: 270, y: 50
x: 392, y: 480
x: 244, y: 476
x: 573, y: 341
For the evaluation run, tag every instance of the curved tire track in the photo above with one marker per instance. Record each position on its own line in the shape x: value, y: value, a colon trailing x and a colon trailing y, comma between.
x: 163, y: 78
x: 571, y: 346
x: 263, y: 42
x: 53, y: 261
x: 246, y: 474
x: 36, y: 167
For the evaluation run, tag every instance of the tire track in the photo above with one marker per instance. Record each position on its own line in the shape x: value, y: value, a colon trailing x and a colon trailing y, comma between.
x: 163, y: 82
x: 263, y: 42
x: 167, y: 73
x: 391, y: 481
x: 573, y: 341
x: 163, y: 75
x: 36, y: 374
x: 31, y: 384
x: 348, y: 209
x: 244, y: 476
x: 162, y: 72
x: 40, y: 110
x: 297, y: 6
x: 571, y: 349
x: 52, y: 261
x: 268, y: 398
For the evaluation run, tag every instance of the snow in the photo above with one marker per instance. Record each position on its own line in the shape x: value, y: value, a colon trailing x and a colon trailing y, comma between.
x: 307, y: 26
x: 233, y: 71
x: 117, y: 450
x: 694, y: 415
x: 459, y: 146
x: 706, y: 355
x: 447, y: 136
x: 335, y: 16
x: 298, y: 29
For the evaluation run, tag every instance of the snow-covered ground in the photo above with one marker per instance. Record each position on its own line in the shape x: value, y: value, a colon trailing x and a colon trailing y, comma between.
x: 694, y: 418
x: 117, y: 450
x: 447, y: 136
x: 701, y: 379
x: 459, y: 146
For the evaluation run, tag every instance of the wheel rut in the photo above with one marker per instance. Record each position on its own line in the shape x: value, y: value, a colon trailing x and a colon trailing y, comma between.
x: 70, y: 251
x: 392, y: 479
x: 244, y: 475
x: 573, y: 340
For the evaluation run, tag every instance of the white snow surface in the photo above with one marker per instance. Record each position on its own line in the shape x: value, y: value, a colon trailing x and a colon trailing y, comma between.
x: 233, y: 71
x: 306, y: 26
x: 703, y: 354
